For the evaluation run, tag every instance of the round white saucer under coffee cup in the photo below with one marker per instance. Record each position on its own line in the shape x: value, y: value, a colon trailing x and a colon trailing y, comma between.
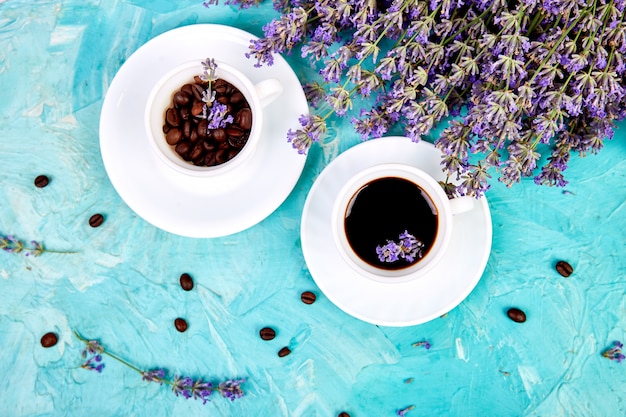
x: 446, y: 208
x: 258, y: 96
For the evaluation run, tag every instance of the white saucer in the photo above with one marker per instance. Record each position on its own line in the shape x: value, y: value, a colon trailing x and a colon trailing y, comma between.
x: 191, y: 207
x: 392, y: 304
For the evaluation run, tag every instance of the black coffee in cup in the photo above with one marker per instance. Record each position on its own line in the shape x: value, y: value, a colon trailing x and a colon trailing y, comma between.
x: 382, y: 213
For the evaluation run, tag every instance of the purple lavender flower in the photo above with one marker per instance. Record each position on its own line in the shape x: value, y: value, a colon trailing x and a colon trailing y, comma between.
x: 92, y: 347
x: 217, y: 116
x: 202, y: 390
x: 94, y: 363
x: 515, y: 83
x: 313, y: 128
x: 181, y: 386
x: 389, y: 252
x: 156, y: 375
x: 614, y: 353
x: 208, y: 67
x: 231, y: 389
x: 407, y: 248
x: 242, y: 4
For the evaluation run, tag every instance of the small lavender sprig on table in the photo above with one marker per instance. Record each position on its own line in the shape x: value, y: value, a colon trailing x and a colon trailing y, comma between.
x: 424, y: 343
x: 405, y: 410
x: 529, y: 83
x: 614, y: 353
x: 13, y: 245
x: 183, y: 386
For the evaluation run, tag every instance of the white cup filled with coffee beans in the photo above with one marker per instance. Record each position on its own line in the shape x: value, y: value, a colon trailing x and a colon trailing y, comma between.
x: 392, y: 222
x: 205, y: 118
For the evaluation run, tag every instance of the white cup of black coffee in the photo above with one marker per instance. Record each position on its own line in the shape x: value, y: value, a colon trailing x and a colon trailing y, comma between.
x: 192, y: 150
x: 393, y: 222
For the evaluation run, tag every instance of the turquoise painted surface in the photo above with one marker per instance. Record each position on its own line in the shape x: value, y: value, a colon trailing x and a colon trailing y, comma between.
x: 57, y: 59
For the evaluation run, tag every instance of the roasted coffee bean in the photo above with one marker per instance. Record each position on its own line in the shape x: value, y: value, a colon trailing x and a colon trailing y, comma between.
x: 193, y: 137
x: 166, y: 128
x: 564, y: 268
x: 219, y: 135
x: 187, y: 129
x: 171, y: 117
x: 221, y: 156
x: 197, y: 90
x: 223, y: 99
x: 209, y: 159
x: 41, y: 181
x: 237, y: 143
x: 267, y: 333
x: 185, y: 113
x: 516, y: 315
x: 96, y: 220
x: 237, y: 97
x: 220, y: 86
x: 232, y: 153
x: 180, y: 324
x: 197, y: 107
x: 343, y: 414
x: 186, y: 282
x: 173, y: 136
x: 196, y: 152
x: 284, y: 352
x: 234, y: 131
x: 244, y: 118
x: 49, y: 339
x: 207, y: 145
x: 187, y: 89
x: 181, y: 99
x: 308, y: 297
x: 182, y: 148
x: 202, y: 128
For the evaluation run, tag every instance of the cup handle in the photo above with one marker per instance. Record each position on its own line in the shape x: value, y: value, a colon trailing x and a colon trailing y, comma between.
x: 268, y: 90
x: 461, y: 204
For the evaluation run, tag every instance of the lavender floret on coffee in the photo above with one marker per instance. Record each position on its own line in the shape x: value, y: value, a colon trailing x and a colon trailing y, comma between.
x: 209, y: 120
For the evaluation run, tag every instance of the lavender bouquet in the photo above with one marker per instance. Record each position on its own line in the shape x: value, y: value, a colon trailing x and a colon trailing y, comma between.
x: 520, y: 84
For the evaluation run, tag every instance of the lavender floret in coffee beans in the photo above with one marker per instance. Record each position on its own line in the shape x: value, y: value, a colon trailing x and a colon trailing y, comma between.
x: 187, y: 129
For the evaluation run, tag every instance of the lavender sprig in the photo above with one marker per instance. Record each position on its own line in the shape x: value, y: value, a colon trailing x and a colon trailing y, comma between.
x: 408, y: 248
x: 217, y: 114
x: 12, y: 245
x: 521, y: 86
x: 614, y: 353
x: 183, y: 386
x: 425, y: 343
x: 405, y: 410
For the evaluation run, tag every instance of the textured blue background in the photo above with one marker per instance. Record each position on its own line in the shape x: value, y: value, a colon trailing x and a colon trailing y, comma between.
x: 57, y: 59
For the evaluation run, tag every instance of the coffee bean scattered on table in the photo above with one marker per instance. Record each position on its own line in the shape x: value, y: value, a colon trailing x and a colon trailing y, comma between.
x: 267, y: 333
x: 96, y: 220
x: 181, y: 324
x: 516, y: 315
x: 308, y: 297
x: 49, y: 339
x: 186, y: 282
x: 187, y: 131
x: 284, y: 352
x: 564, y: 268
x: 41, y: 181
